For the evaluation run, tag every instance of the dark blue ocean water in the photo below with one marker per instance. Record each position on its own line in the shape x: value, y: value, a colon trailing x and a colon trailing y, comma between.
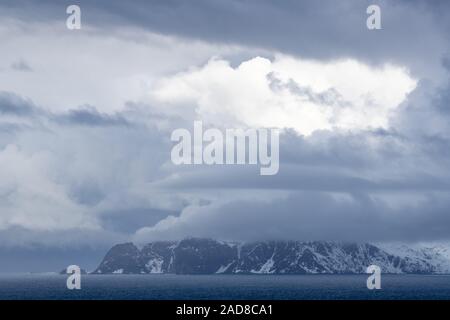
x: 36, y: 286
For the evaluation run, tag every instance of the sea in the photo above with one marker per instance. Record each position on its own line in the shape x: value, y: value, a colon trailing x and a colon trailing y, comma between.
x: 223, y: 287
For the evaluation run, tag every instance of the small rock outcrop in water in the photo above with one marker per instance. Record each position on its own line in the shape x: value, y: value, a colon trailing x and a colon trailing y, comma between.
x: 207, y: 256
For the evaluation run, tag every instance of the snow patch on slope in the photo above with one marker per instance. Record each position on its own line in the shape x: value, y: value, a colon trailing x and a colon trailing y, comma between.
x: 155, y: 265
x: 223, y: 269
x: 266, y: 267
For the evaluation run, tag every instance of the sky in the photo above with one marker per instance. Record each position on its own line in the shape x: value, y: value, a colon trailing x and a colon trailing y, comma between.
x: 86, y: 118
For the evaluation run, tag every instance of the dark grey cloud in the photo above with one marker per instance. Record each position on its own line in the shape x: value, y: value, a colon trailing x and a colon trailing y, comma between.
x: 426, y: 113
x: 89, y: 116
x: 307, y: 178
x: 322, y: 29
x: 13, y: 104
x: 366, y: 161
x: 310, y: 215
x: 129, y: 220
x: 21, y: 65
x: 87, y: 192
x: 316, y: 29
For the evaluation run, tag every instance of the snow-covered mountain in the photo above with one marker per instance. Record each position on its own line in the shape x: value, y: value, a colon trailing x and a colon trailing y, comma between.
x: 206, y: 256
x: 422, y: 254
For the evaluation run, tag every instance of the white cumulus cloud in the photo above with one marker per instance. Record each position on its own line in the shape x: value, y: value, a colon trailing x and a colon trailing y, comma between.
x: 289, y: 93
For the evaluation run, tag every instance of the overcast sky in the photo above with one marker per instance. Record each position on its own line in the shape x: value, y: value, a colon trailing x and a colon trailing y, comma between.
x: 86, y: 118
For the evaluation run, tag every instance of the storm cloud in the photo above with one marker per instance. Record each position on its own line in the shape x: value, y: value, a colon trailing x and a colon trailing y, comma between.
x: 85, y: 133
